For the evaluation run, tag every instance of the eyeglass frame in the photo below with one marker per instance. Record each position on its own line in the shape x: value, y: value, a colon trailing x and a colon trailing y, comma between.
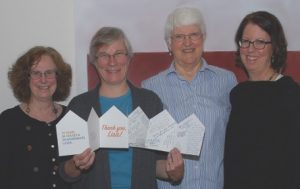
x: 48, y: 74
x: 257, y: 42
x: 195, y: 36
x: 107, y: 57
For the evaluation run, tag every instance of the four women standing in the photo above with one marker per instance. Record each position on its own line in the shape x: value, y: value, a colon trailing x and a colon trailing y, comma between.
x: 261, y: 148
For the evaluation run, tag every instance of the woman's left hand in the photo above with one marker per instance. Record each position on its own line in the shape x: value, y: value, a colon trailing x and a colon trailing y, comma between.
x: 175, y: 165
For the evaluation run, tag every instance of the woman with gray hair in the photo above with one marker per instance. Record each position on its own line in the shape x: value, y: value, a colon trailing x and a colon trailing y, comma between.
x: 191, y: 86
x: 135, y: 168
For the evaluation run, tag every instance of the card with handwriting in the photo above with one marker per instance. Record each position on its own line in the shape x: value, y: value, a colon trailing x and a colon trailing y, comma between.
x: 163, y: 133
x: 114, y: 130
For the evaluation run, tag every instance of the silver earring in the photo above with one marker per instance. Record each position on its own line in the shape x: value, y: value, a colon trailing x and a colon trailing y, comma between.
x: 272, y: 59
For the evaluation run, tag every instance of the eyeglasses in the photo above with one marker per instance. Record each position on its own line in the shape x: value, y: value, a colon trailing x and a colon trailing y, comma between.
x: 118, y: 56
x: 192, y: 36
x: 48, y: 74
x: 257, y: 44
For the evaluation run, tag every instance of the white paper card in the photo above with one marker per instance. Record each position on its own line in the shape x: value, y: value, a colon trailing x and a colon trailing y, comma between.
x: 113, y: 129
x: 138, y: 124
x: 162, y: 132
x: 73, y: 134
x: 190, y: 135
x: 93, y: 125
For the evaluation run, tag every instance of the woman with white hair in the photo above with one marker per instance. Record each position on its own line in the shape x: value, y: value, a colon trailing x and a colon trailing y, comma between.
x: 191, y: 86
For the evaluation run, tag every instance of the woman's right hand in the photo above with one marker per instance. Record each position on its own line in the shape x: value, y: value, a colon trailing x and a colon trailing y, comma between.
x: 84, y: 160
x: 79, y: 162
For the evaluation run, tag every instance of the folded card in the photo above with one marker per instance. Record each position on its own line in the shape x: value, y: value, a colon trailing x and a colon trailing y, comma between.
x: 74, y: 134
x: 114, y: 130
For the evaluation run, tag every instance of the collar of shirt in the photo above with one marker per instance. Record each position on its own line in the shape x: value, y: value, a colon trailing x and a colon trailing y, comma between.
x: 205, y: 67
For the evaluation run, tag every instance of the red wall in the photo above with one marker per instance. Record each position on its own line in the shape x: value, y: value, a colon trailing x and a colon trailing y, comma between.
x: 144, y: 65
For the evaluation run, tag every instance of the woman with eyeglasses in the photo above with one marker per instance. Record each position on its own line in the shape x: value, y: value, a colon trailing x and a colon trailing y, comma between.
x: 132, y: 168
x: 262, y: 140
x: 28, y: 142
x: 192, y: 86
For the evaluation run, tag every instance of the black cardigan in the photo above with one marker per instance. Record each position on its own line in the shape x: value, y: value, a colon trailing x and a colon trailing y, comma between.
x: 144, y: 161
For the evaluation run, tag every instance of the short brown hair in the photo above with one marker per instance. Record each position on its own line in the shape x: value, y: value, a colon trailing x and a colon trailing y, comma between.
x: 271, y: 25
x: 18, y: 74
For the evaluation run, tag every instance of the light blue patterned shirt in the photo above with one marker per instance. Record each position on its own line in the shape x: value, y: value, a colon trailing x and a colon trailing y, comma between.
x: 207, y: 95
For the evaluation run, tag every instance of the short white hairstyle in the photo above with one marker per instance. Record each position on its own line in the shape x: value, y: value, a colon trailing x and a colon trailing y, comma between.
x: 183, y: 16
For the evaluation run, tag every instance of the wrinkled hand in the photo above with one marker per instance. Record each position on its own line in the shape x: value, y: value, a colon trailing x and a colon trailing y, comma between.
x: 84, y: 160
x: 175, y: 165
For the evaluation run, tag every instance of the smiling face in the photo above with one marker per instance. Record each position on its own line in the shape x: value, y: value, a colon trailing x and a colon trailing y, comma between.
x: 256, y: 61
x: 188, y: 52
x: 43, y: 87
x: 112, y: 64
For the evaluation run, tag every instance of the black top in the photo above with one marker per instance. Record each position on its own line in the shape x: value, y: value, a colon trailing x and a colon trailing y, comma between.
x: 29, y: 154
x: 262, y: 148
